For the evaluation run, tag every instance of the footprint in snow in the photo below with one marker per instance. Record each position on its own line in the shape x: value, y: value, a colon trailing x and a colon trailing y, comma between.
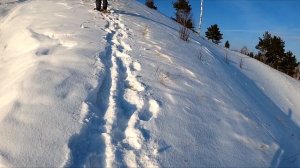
x: 42, y: 52
x: 151, y: 112
x: 126, y: 46
x: 136, y: 66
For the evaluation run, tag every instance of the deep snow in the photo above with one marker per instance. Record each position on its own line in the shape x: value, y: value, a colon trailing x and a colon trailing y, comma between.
x: 81, y: 88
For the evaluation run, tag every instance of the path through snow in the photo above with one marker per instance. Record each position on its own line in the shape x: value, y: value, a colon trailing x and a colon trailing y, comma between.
x: 74, y: 95
x: 114, y: 135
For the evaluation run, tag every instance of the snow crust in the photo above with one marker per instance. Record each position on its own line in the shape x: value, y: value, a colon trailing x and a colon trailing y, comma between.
x: 81, y: 88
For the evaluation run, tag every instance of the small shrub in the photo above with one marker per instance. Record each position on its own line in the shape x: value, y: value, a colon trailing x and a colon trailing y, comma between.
x: 241, y: 63
x: 162, y: 76
x: 226, y: 58
x: 227, y: 45
x: 200, y: 55
x: 184, y: 33
x: 151, y: 4
x: 145, y: 31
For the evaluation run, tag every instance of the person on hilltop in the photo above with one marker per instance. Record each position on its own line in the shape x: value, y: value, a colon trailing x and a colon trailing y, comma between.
x: 104, y: 6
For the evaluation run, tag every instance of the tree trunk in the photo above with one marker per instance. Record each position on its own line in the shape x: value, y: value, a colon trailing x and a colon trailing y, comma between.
x: 201, y: 15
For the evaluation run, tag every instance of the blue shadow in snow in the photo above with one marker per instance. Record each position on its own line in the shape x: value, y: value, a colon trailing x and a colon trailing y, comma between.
x: 288, y: 154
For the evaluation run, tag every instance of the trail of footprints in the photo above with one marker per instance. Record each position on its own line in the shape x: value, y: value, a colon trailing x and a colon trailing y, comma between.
x: 127, y: 143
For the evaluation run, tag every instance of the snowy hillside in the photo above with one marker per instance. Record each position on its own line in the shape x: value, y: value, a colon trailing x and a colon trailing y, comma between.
x: 80, y: 88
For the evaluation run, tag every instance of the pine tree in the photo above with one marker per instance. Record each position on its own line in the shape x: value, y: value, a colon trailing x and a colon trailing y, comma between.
x: 251, y: 54
x: 288, y: 63
x: 272, y: 53
x: 183, y: 13
x: 297, y: 72
x: 227, y: 45
x: 213, y: 33
x: 272, y: 49
x: 150, y: 4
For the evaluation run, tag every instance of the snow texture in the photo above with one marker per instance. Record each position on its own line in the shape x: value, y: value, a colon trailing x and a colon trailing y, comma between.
x: 80, y: 88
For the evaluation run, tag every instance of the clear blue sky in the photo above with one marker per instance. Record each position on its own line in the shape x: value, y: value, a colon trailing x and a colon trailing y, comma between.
x: 242, y: 22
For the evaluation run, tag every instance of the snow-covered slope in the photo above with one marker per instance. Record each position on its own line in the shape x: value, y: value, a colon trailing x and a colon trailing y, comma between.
x: 80, y: 88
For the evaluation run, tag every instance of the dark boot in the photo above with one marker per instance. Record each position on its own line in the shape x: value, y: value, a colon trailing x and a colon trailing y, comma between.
x: 104, y: 5
x: 98, y: 5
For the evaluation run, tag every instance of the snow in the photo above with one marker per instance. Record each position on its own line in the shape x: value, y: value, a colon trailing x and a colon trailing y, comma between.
x: 48, y: 70
x: 84, y: 89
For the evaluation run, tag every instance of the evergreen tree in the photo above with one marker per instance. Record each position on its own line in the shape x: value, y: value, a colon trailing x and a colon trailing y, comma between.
x: 272, y: 53
x: 213, y: 33
x: 297, y: 72
x: 251, y: 54
x: 259, y: 57
x: 227, y: 45
x: 288, y: 63
x: 272, y: 49
x: 183, y: 13
x: 150, y: 4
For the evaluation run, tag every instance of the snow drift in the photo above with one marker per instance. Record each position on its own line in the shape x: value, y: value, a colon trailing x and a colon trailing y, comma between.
x: 85, y: 89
